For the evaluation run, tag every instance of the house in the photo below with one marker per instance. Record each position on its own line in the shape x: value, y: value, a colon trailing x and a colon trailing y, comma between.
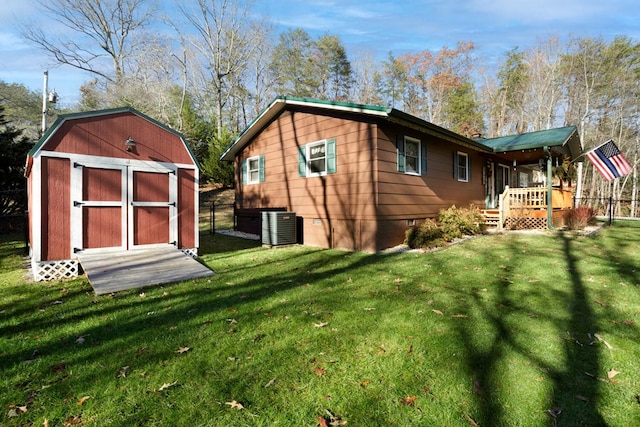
x: 108, y: 181
x: 357, y: 176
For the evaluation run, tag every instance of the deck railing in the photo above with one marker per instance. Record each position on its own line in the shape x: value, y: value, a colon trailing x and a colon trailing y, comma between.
x: 520, y: 201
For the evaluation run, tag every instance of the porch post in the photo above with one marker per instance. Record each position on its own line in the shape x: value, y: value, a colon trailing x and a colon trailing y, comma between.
x: 549, y: 190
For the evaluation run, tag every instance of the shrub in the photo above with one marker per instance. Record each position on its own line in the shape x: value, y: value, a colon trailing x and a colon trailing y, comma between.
x: 427, y: 235
x: 452, y: 223
x: 579, y: 218
x: 457, y: 222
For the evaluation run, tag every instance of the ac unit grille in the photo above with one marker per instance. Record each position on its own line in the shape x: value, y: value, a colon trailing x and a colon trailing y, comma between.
x: 278, y: 228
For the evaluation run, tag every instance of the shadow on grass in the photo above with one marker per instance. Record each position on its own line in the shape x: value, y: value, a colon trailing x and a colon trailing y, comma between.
x: 575, y: 387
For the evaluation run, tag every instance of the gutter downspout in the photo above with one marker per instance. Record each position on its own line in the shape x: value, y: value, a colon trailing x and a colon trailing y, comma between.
x: 549, y: 190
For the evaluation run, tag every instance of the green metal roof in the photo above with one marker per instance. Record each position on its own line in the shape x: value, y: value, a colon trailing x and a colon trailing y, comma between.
x: 390, y: 114
x: 531, y: 140
x: 88, y: 114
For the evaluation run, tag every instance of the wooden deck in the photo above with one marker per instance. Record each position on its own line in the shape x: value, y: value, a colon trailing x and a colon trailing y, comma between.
x: 120, y: 271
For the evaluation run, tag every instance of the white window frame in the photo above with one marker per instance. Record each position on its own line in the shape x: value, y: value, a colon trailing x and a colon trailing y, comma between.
x: 308, y: 148
x: 463, y: 168
x: 256, y: 170
x: 418, y: 156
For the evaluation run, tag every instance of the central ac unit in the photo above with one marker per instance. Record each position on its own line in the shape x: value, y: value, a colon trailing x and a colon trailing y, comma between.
x: 278, y: 228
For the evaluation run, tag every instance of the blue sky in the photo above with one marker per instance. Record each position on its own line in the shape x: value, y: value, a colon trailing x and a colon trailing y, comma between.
x: 374, y: 26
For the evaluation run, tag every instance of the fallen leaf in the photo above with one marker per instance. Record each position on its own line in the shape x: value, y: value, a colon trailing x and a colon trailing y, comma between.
x: 167, y: 385
x: 80, y: 339
x: 15, y: 411
x: 235, y: 404
x: 140, y: 351
x: 600, y: 303
x: 460, y: 316
x: 363, y: 384
x: 322, y: 422
x: 320, y: 325
x: 45, y: 423
x: 408, y: 401
x: 319, y: 371
x: 182, y: 350
x: 270, y: 383
x: 398, y: 280
x: 583, y: 398
x: 471, y: 421
x: 73, y: 421
x: 123, y: 372
x: 612, y: 373
x: 143, y: 295
x: 609, y: 346
x: 437, y: 312
x: 369, y: 309
x: 83, y: 399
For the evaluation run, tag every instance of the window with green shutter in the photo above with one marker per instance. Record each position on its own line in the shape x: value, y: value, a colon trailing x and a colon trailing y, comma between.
x: 317, y: 158
x: 253, y: 170
x: 461, y: 166
x: 411, y: 156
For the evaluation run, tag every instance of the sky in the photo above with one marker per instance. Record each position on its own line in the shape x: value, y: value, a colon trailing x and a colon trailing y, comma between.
x: 376, y: 27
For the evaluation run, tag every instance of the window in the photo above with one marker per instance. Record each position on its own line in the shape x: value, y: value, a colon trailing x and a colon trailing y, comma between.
x: 253, y: 170
x: 317, y: 158
x: 411, y: 156
x: 461, y: 166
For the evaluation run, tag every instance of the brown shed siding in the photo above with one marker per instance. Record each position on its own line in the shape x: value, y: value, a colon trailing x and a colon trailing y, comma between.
x: 104, y: 136
x: 56, y: 209
x: 186, y: 213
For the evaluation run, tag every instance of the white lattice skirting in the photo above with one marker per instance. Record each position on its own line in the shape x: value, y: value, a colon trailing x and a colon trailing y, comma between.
x: 192, y: 252
x: 54, y: 270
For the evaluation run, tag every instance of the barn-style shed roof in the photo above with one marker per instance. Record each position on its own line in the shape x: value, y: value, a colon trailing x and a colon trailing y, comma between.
x: 64, y: 118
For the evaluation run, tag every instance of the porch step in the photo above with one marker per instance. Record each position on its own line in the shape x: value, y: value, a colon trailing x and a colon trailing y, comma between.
x: 491, y: 217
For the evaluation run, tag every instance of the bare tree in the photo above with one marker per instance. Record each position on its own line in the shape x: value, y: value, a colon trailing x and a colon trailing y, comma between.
x: 95, y: 32
x: 227, y: 37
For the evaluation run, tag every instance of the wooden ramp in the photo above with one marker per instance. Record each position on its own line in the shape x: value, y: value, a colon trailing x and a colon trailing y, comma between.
x: 120, y: 271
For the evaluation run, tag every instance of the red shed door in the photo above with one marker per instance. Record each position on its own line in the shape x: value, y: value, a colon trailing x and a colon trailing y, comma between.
x: 152, y: 207
x: 126, y: 207
x: 103, y: 205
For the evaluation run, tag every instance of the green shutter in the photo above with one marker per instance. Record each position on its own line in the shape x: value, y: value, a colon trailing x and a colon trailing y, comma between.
x: 302, y: 161
x: 423, y: 158
x: 244, y: 171
x: 261, y: 165
x: 331, y: 155
x: 400, y: 153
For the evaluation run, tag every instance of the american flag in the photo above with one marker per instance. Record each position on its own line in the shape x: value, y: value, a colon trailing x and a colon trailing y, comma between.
x: 609, y: 161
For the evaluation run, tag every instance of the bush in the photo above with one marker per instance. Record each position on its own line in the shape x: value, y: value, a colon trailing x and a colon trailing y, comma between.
x: 452, y: 224
x: 427, y: 235
x: 579, y: 218
x: 458, y: 222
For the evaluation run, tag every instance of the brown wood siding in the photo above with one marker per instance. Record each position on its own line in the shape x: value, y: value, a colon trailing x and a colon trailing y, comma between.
x: 186, y: 209
x: 404, y: 196
x: 105, y: 136
x: 347, y: 196
x: 56, y: 236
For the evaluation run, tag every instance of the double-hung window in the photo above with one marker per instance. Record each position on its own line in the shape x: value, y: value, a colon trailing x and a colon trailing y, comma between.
x: 461, y: 166
x: 317, y: 158
x: 253, y: 170
x: 411, y: 156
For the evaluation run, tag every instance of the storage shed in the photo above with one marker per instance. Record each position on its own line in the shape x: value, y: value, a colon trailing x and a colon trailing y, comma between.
x: 109, y: 181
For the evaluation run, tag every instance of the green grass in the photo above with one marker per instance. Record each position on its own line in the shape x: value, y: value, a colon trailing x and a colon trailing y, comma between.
x: 498, y: 330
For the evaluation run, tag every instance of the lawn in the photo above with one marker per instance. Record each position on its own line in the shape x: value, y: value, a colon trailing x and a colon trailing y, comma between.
x: 501, y: 330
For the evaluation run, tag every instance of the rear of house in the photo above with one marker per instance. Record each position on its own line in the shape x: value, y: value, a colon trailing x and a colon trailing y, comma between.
x: 356, y: 176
